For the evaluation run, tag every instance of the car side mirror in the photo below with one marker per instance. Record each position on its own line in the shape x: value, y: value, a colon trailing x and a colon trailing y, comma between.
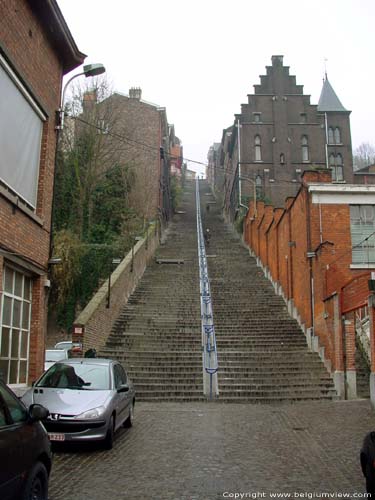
x: 123, y: 388
x: 38, y: 412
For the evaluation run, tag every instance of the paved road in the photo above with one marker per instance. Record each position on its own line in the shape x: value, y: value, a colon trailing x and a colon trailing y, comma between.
x: 214, y: 451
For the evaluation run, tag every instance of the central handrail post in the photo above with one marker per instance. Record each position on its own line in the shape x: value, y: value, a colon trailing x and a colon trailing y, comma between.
x: 209, y: 350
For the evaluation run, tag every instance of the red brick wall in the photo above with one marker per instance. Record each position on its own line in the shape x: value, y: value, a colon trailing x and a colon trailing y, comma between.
x: 299, y: 264
x: 263, y: 239
x: 303, y: 227
x: 28, y: 50
x: 273, y: 244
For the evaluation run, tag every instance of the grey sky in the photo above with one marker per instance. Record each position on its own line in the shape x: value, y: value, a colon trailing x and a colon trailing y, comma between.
x: 200, y: 58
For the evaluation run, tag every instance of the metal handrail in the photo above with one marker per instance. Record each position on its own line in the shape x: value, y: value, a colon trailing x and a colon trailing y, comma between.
x: 209, y: 350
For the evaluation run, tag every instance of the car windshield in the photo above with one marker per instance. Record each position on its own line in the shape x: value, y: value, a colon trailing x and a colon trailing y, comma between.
x: 83, y: 376
x: 55, y: 355
x: 64, y: 345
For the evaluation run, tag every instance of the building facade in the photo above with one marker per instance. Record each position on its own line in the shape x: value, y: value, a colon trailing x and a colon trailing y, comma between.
x: 319, y: 253
x: 279, y: 134
x: 139, y: 134
x: 36, y: 50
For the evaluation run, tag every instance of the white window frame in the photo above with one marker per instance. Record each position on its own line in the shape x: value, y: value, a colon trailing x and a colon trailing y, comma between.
x: 363, y: 250
x: 23, y: 331
x: 258, y: 148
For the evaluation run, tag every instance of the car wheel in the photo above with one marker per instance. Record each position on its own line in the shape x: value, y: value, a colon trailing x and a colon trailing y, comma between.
x: 130, y: 420
x: 36, y: 487
x: 108, y: 440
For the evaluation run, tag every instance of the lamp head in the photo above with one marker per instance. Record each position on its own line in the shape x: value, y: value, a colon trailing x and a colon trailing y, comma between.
x: 93, y: 69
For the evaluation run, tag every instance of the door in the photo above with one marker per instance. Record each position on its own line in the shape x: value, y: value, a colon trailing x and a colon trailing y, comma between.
x: 122, y: 398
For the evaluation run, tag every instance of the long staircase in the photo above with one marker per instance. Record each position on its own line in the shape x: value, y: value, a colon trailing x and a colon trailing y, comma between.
x: 158, y: 334
x: 262, y: 352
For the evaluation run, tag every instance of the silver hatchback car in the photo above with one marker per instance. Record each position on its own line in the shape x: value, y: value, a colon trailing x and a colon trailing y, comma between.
x: 88, y: 399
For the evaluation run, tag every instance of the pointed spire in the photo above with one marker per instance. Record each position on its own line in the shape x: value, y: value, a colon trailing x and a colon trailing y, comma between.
x: 328, y: 100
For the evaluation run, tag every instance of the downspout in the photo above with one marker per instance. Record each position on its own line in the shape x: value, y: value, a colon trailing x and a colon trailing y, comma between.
x: 326, y: 144
x: 239, y: 163
x: 240, y: 204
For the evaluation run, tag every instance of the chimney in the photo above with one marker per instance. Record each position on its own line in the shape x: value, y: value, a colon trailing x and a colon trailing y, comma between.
x: 135, y: 93
x: 277, y: 60
x: 89, y: 100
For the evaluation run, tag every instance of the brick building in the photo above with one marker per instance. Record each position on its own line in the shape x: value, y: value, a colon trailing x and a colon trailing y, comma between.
x: 137, y: 134
x: 176, y: 155
x: 279, y: 135
x: 319, y: 251
x: 36, y: 50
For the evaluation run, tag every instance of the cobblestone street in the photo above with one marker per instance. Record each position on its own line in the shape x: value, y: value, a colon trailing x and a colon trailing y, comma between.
x: 199, y: 451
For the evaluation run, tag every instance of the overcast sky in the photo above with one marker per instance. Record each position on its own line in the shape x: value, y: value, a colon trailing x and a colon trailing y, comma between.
x: 200, y: 58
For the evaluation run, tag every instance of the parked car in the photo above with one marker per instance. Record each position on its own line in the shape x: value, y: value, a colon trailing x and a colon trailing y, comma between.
x: 53, y: 355
x: 70, y: 346
x: 25, y: 450
x: 88, y: 399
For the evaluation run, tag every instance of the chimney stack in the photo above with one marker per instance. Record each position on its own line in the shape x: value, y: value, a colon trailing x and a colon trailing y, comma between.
x: 135, y: 93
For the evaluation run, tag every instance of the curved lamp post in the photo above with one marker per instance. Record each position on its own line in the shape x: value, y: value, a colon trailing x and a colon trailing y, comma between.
x: 88, y: 70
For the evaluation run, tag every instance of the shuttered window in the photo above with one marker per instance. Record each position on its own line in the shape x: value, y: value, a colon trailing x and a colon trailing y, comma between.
x: 21, y: 124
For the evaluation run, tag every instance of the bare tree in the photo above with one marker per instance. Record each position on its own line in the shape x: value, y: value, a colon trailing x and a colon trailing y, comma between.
x: 364, y: 155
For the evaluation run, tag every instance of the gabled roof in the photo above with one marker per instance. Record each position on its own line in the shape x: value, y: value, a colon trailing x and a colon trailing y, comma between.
x: 328, y: 100
x: 49, y: 14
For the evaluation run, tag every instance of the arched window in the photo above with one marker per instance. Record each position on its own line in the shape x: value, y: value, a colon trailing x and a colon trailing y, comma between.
x: 337, y: 136
x: 339, y: 168
x: 305, y: 148
x: 282, y: 159
x: 336, y: 165
x: 258, y: 148
x: 330, y: 136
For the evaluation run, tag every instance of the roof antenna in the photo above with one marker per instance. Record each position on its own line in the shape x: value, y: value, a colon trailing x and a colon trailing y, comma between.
x: 325, y: 68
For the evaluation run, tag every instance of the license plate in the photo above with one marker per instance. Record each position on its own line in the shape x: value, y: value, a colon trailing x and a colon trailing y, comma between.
x: 56, y: 437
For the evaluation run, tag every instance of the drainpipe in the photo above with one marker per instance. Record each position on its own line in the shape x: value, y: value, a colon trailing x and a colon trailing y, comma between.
x: 326, y: 145
x: 239, y: 163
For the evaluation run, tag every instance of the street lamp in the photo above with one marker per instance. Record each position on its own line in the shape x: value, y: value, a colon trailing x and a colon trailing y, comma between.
x: 88, y: 70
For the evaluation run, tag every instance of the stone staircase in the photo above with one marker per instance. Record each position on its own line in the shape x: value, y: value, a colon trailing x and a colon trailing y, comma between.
x: 158, y: 334
x: 262, y: 352
x: 363, y: 373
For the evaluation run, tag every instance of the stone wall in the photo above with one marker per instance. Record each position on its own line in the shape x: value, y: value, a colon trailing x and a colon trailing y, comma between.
x: 96, y: 319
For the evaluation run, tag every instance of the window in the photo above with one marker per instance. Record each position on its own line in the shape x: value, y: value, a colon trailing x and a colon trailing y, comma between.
x: 334, y: 135
x: 15, y: 326
x: 330, y: 136
x: 336, y: 166
x: 16, y: 411
x: 21, y: 124
x: 258, y: 186
x: 119, y: 375
x: 305, y: 148
x: 282, y: 159
x: 303, y: 118
x: 257, y: 117
x: 258, y: 148
x: 337, y: 136
x: 362, y: 227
